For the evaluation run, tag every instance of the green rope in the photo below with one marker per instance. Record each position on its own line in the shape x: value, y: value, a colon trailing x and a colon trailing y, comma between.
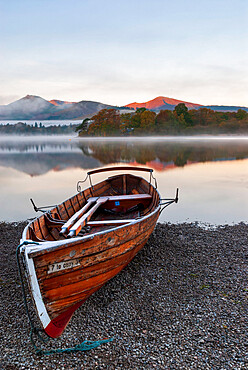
x: 84, y: 346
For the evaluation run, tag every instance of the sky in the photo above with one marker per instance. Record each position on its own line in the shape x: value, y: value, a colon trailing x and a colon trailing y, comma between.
x: 119, y: 52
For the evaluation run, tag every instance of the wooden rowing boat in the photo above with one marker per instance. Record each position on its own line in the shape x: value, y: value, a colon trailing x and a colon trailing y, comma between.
x: 85, y: 241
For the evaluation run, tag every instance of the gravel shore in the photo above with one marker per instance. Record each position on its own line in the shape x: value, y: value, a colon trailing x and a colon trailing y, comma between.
x: 182, y: 303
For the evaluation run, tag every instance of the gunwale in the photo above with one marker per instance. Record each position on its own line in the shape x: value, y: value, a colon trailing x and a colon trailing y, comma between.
x: 47, y: 246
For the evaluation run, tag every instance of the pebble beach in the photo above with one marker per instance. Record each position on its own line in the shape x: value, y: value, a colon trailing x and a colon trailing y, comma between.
x: 182, y: 303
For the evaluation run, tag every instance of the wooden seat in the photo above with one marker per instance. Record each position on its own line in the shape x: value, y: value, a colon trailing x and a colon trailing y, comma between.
x: 122, y: 203
x: 68, y: 225
x: 76, y: 228
x: 116, y: 202
x: 109, y: 222
x: 112, y: 198
x: 128, y: 197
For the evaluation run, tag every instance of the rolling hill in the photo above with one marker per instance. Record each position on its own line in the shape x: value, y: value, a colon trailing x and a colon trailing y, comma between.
x: 162, y: 102
x: 33, y: 107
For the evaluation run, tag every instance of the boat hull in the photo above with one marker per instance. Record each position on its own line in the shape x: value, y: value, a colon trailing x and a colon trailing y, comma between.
x: 98, y: 259
x: 63, y: 274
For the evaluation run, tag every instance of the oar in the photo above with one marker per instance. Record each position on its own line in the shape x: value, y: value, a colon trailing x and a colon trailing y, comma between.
x: 76, y: 228
x: 66, y: 227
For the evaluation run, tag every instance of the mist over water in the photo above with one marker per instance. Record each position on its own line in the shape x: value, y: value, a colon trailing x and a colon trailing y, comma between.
x: 211, y: 172
x: 181, y: 138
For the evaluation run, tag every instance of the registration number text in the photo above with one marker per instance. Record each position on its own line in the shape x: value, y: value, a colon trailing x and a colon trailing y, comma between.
x: 62, y: 266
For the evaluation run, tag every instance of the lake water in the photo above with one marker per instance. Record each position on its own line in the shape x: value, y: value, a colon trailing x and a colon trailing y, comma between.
x: 211, y: 173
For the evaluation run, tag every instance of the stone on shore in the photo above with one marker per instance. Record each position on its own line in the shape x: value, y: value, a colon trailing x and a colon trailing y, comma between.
x: 180, y: 304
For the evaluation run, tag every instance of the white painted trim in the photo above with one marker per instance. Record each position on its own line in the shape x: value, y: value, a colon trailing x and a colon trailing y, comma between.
x: 35, y: 289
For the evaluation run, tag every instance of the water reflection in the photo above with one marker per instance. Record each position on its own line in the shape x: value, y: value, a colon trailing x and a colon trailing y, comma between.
x: 210, y: 173
x: 162, y: 154
x: 38, y: 156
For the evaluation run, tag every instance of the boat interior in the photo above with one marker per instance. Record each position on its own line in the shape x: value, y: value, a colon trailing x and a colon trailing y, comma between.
x: 118, y: 200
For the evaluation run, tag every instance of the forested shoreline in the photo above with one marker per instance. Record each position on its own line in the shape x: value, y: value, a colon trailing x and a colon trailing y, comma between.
x: 143, y: 122
x: 22, y: 128
x: 108, y: 122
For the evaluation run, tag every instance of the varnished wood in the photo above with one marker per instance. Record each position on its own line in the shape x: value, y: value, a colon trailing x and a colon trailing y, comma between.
x: 91, y: 245
x: 113, y: 235
x: 91, y: 284
x: 124, y: 184
x: 52, y: 222
x: 95, y: 248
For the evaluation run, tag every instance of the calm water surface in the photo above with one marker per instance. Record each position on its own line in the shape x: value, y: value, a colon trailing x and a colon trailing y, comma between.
x: 211, y: 173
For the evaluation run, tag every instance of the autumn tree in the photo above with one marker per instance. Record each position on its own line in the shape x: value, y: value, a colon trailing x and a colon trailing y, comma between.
x: 241, y: 114
x: 166, y: 122
x: 106, y: 122
x: 143, y: 121
x: 126, y: 123
x: 203, y: 117
x: 147, y: 120
x: 181, y: 111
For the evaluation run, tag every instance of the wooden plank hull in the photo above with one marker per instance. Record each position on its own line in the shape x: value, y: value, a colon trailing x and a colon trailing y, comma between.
x: 62, y: 274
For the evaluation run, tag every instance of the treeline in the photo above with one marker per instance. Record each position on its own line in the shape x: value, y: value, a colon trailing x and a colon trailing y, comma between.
x: 108, y: 122
x: 21, y: 128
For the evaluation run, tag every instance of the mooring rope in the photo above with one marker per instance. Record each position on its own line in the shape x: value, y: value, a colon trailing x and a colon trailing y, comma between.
x: 84, y: 346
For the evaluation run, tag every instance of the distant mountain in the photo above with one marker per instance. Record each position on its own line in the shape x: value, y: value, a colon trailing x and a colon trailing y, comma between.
x: 28, y: 107
x: 33, y: 107
x: 79, y: 110
x: 162, y: 102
